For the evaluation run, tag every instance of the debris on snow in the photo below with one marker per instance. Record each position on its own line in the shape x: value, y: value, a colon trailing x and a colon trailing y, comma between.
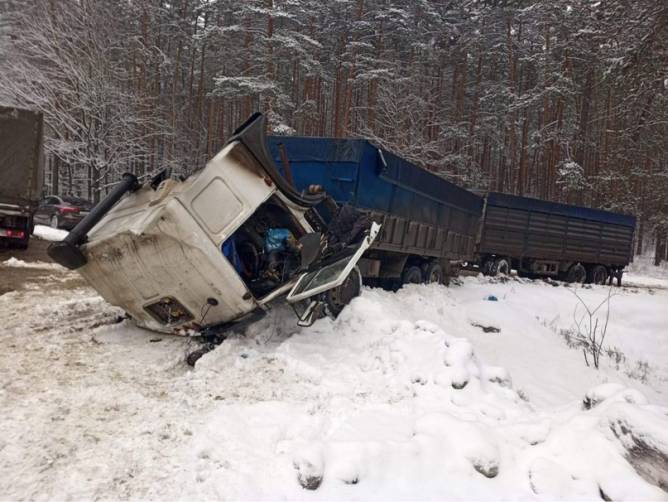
x: 309, y: 466
x: 486, y: 329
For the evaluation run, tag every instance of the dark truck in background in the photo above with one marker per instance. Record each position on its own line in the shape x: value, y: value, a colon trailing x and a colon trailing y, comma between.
x: 20, y: 173
x: 541, y: 238
x: 428, y: 225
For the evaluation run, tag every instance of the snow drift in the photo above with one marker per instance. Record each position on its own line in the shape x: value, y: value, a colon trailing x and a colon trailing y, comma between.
x: 403, y: 397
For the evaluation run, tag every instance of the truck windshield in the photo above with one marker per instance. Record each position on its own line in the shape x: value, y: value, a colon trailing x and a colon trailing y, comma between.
x: 325, y: 275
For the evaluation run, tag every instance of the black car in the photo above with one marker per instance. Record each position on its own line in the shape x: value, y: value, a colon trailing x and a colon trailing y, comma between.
x: 62, y: 212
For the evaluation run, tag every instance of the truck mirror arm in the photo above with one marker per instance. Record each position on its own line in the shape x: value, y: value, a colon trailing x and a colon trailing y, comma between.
x: 67, y: 252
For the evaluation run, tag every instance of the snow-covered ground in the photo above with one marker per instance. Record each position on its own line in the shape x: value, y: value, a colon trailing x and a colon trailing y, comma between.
x: 404, y: 397
x: 49, y: 234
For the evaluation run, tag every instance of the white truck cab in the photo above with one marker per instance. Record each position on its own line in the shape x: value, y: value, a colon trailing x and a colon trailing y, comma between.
x: 189, y: 256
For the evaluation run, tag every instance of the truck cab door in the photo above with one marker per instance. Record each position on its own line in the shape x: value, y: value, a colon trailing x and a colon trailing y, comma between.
x: 328, y: 275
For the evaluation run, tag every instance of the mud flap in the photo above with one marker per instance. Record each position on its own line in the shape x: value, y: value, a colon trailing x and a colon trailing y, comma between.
x: 329, y: 276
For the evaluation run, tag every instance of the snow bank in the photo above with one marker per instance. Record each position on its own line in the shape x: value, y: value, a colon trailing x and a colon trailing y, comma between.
x: 401, y: 398
x: 379, y: 406
x: 642, y: 272
x: 49, y: 234
x: 16, y: 263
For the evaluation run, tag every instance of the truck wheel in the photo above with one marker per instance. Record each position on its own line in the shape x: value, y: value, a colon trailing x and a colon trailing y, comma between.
x: 433, y: 273
x: 618, y: 276
x: 55, y: 223
x: 598, y: 274
x: 501, y: 266
x: 411, y: 275
x: 576, y: 274
x: 487, y: 267
x: 337, y: 298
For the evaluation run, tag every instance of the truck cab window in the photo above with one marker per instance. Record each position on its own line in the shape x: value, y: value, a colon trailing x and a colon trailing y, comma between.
x: 265, y: 250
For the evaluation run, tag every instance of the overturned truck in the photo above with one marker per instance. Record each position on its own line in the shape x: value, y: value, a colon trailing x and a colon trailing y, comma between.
x: 199, y: 255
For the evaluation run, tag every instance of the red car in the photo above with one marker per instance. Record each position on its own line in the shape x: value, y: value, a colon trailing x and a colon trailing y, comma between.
x: 61, y: 212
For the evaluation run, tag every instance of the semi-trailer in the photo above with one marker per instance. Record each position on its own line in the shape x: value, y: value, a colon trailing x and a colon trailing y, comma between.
x: 428, y: 225
x: 547, y: 239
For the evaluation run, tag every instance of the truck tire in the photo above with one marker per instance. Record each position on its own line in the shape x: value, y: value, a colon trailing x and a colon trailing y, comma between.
x: 501, y: 266
x: 411, y: 275
x: 433, y: 273
x: 597, y: 274
x: 337, y: 298
x: 54, y: 221
x: 487, y: 267
x: 576, y: 274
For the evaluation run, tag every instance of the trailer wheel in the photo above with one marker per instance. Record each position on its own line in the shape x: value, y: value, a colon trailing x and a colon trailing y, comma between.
x: 616, y: 274
x: 487, y: 267
x: 411, y: 275
x: 576, y: 274
x: 501, y: 266
x: 433, y: 273
x: 598, y: 274
x: 337, y: 298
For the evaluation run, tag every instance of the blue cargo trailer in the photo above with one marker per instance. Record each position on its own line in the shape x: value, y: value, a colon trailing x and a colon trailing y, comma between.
x: 542, y: 238
x: 427, y: 222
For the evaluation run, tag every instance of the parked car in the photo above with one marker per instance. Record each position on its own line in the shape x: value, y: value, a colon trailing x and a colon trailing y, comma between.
x: 62, y: 212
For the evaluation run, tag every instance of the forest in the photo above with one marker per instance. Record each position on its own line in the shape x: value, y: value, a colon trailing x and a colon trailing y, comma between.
x: 564, y: 100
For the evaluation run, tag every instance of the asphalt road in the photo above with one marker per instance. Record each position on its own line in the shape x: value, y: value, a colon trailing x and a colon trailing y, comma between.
x: 18, y: 278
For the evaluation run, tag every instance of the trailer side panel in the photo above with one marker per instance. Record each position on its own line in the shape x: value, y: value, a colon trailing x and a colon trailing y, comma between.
x: 520, y: 227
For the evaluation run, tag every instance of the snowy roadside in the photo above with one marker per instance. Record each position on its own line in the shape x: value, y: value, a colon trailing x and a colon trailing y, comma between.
x: 16, y: 263
x: 405, y: 396
x: 49, y: 234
